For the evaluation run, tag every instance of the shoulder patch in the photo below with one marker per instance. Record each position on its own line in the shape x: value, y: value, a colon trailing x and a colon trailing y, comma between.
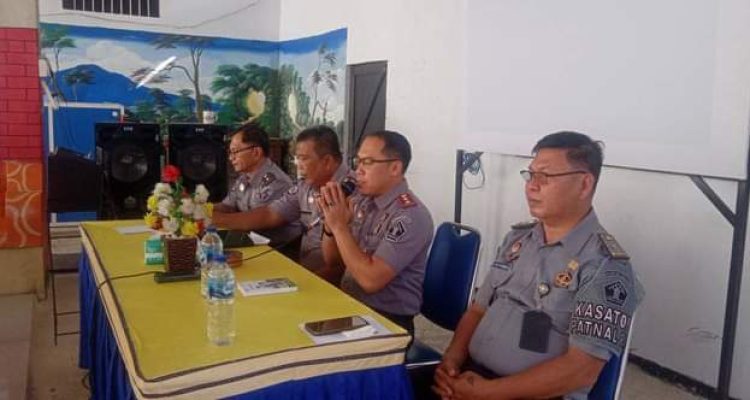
x: 267, y: 179
x: 525, y: 224
x: 406, y: 201
x: 397, y: 229
x: 612, y: 248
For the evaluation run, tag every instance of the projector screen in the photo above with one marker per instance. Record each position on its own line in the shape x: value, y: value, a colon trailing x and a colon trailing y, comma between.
x: 664, y: 84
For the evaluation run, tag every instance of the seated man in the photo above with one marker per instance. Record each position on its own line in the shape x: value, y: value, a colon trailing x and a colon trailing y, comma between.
x: 559, y: 297
x: 259, y: 182
x: 319, y: 161
x: 383, y: 239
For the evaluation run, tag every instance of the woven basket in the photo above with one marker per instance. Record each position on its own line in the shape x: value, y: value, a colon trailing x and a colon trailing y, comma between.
x: 179, y: 254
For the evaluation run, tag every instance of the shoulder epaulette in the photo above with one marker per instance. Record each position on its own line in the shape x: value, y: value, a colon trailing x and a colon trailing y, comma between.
x: 612, y: 248
x: 405, y: 200
x: 525, y: 224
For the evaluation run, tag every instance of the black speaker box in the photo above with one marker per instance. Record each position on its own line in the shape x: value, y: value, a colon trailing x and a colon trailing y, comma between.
x: 130, y: 157
x: 199, y: 151
x: 73, y: 182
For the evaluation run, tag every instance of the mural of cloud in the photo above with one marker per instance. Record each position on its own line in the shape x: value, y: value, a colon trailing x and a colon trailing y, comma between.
x: 112, y: 56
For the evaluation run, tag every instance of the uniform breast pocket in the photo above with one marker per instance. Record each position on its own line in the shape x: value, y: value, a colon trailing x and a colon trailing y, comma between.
x: 559, y: 305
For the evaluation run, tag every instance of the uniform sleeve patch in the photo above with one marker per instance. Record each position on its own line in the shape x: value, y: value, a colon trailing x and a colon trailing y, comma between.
x: 597, y: 321
x: 397, y: 229
x: 267, y: 179
x: 615, y: 293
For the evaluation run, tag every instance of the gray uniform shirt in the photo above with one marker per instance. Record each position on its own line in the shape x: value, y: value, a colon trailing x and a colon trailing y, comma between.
x: 298, y: 204
x: 397, y: 228
x: 591, y: 296
x: 259, y: 188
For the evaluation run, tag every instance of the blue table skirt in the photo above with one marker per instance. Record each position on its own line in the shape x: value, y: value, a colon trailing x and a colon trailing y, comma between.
x: 109, y: 380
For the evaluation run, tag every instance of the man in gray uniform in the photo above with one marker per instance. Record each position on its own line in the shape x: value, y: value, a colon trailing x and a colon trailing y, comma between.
x: 319, y: 161
x: 383, y: 239
x: 559, y: 298
x: 260, y: 182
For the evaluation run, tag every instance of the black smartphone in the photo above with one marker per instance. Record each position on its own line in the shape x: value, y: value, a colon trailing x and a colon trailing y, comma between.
x: 165, y: 277
x: 335, y: 325
x: 234, y: 239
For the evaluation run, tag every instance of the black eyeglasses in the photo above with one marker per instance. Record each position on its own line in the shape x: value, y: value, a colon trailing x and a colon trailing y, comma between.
x: 233, y: 153
x: 369, y: 161
x: 542, y: 178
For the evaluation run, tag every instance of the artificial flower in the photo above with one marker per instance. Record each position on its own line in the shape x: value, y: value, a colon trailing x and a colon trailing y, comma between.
x: 173, y: 210
x: 187, y: 206
x: 170, y: 174
x: 201, y: 194
x: 151, y: 203
x: 162, y: 188
x: 190, y: 228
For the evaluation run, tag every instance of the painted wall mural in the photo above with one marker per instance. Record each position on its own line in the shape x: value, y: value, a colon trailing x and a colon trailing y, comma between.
x: 284, y: 86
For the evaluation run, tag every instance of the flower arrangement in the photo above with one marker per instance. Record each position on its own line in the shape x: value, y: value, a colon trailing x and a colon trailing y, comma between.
x: 172, y: 210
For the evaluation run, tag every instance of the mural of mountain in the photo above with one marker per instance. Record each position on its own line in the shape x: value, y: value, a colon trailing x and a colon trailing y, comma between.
x: 105, y: 86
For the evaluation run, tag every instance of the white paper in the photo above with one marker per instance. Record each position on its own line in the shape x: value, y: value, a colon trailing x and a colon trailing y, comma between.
x: 259, y: 239
x: 374, y: 328
x: 131, y: 230
x: 266, y: 286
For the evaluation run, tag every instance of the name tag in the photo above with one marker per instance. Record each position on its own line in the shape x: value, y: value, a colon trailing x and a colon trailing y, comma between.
x: 501, y: 265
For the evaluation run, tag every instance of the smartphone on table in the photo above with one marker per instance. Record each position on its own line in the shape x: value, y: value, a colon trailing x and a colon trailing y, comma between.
x: 335, y: 325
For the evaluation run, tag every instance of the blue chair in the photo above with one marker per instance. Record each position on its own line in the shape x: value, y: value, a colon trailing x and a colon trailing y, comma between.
x: 609, y: 382
x: 448, y: 285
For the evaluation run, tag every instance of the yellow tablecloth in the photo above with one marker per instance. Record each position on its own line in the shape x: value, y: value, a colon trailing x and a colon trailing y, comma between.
x: 160, y: 328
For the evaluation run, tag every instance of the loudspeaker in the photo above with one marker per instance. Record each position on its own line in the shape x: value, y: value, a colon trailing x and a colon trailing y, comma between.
x: 130, y: 157
x: 74, y: 182
x: 199, y: 151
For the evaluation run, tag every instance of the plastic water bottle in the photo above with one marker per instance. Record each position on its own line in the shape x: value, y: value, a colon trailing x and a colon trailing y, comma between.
x: 210, y: 247
x: 220, y: 322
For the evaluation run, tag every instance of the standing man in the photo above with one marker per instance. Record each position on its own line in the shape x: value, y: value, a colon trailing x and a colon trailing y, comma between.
x: 259, y: 182
x: 319, y: 161
x: 383, y: 239
x: 559, y: 298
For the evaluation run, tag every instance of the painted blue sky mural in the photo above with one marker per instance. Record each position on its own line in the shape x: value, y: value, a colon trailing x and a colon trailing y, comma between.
x: 284, y: 86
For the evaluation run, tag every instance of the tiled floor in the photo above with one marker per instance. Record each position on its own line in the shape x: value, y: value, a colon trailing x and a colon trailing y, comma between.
x: 54, y: 373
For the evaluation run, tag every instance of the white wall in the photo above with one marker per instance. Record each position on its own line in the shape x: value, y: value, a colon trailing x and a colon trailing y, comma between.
x: 423, y: 43
x: 240, y: 19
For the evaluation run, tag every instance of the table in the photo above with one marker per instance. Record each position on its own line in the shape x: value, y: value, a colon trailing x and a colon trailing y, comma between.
x: 144, y: 340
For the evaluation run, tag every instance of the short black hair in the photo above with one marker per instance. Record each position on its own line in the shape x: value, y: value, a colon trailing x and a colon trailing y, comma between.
x: 325, y: 138
x: 252, y: 133
x: 582, y: 151
x: 396, y: 145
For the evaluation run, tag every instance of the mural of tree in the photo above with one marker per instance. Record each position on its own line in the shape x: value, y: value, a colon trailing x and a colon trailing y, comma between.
x: 157, y: 109
x: 78, y: 76
x: 196, y: 45
x: 184, y: 107
x: 293, y: 102
x: 55, y: 37
x: 324, y: 74
x: 233, y: 84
